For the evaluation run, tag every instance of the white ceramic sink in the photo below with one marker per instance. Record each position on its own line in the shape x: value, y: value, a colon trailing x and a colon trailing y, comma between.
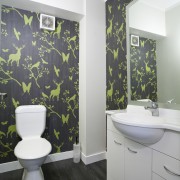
x: 141, y: 128
x: 138, y: 124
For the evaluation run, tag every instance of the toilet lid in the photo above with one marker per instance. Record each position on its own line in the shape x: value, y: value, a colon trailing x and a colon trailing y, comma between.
x: 32, y: 148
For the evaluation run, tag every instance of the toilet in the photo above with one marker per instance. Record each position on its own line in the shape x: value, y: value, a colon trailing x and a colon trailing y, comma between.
x: 32, y: 150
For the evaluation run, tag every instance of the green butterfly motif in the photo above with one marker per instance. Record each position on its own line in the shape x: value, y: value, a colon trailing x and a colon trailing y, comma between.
x: 70, y: 78
x: 142, y: 43
x: 56, y: 133
x: 65, y: 57
x: 70, y: 139
x: 47, y: 87
x: 65, y: 119
x: 56, y: 71
x: 11, y: 130
x: 4, y: 123
x: 17, y: 34
x: 26, y: 88
x: 33, y: 43
x: 115, y: 53
x: 15, y: 103
x: 27, y: 20
x: 5, y: 50
x: 143, y: 87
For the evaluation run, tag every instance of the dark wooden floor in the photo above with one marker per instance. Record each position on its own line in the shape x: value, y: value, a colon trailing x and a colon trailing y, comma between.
x: 65, y: 170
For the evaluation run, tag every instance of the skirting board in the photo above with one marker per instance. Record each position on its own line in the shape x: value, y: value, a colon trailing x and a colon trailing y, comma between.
x: 11, y: 166
x: 93, y: 158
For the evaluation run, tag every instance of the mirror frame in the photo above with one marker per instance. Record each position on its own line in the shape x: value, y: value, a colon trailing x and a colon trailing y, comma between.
x: 130, y: 102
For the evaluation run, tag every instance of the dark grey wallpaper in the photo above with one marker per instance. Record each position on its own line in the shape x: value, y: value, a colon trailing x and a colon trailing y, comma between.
x: 39, y: 67
x: 116, y: 63
x: 143, y: 70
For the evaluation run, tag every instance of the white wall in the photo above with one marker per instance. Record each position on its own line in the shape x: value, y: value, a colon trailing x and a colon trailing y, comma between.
x: 67, y: 9
x: 93, y: 79
x: 146, y: 18
x: 76, y: 6
x: 168, y: 59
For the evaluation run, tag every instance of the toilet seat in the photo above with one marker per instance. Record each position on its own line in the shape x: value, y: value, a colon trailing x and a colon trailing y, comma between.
x: 32, y: 148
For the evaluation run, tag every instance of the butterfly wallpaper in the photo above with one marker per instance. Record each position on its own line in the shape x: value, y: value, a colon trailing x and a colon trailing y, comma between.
x: 143, y: 70
x: 116, y: 62
x: 39, y: 67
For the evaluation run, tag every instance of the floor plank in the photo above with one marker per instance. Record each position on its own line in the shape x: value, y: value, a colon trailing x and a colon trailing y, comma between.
x: 65, y: 170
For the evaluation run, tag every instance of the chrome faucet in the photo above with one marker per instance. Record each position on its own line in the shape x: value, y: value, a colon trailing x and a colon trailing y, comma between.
x: 171, y: 101
x: 153, y: 108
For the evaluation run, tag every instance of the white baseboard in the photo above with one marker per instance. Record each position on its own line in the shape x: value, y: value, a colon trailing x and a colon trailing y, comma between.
x: 11, y: 166
x: 93, y: 158
x: 59, y: 156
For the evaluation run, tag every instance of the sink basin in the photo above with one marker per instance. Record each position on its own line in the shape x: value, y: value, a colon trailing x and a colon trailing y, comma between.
x: 143, y: 128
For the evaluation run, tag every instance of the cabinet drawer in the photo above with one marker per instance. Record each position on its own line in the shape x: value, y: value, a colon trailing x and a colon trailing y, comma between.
x: 167, y: 167
x: 169, y: 144
x: 156, y: 177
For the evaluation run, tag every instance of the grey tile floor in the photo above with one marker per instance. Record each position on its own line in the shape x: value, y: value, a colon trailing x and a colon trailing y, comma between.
x: 65, y: 170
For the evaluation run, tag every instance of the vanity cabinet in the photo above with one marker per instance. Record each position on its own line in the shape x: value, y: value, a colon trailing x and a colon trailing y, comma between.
x: 138, y: 160
x: 129, y: 160
x: 126, y: 159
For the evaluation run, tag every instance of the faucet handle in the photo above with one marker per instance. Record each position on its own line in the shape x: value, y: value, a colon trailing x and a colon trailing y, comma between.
x: 154, y: 105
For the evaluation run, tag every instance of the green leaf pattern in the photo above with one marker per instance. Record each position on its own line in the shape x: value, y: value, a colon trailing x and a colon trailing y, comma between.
x: 116, y: 63
x: 39, y: 67
x: 143, y: 70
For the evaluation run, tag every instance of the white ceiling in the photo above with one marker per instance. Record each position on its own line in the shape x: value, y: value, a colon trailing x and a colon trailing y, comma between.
x: 161, y: 4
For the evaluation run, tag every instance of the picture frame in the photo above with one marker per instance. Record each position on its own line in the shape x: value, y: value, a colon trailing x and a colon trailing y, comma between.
x: 134, y: 40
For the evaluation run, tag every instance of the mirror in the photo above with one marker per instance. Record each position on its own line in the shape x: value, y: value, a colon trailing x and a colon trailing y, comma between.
x: 153, y: 52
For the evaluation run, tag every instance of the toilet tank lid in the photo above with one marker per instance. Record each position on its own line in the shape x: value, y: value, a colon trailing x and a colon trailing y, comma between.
x: 30, y: 109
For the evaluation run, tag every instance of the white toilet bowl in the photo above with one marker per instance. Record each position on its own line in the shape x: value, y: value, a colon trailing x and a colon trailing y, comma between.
x: 31, y: 154
x: 32, y: 150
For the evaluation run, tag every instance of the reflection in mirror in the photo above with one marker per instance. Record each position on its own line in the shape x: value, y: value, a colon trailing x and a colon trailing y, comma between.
x: 143, y: 70
x: 154, y: 62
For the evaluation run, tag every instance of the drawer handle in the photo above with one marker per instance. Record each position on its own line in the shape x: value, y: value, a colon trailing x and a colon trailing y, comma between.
x: 117, y: 142
x: 171, y: 172
x: 132, y: 151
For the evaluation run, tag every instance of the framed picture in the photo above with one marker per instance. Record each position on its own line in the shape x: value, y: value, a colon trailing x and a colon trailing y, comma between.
x: 134, y: 40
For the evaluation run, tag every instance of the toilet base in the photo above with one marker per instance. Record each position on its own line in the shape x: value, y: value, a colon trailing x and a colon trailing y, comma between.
x: 33, y: 174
